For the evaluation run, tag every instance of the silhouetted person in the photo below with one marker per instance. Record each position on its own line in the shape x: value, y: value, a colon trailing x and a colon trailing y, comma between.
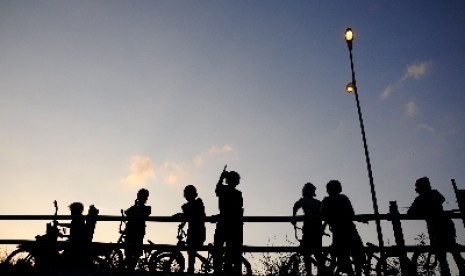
x: 91, y: 221
x: 312, y: 230
x: 441, y: 229
x: 194, y: 212
x: 338, y: 213
x: 78, y: 237
x: 229, y: 227
x: 135, y: 228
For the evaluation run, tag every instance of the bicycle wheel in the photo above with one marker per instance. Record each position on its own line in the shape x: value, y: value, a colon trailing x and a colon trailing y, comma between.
x: 167, y: 262
x: 426, y: 264
x: 21, y: 260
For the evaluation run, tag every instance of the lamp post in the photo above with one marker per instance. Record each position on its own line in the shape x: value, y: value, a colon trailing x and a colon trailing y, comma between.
x: 352, y: 88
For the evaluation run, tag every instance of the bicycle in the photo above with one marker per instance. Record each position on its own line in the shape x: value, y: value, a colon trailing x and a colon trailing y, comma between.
x: 40, y: 253
x: 389, y: 264
x: 295, y: 264
x: 46, y: 252
x: 174, y: 261
x: 115, y: 258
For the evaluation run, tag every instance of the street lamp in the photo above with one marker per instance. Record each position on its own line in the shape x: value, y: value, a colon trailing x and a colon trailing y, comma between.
x: 352, y: 88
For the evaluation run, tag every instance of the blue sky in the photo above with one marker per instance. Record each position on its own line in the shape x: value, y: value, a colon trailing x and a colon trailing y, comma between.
x: 100, y: 98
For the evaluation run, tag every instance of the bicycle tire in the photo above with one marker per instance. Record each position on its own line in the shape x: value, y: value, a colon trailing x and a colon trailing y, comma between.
x: 21, y: 259
x: 169, y: 262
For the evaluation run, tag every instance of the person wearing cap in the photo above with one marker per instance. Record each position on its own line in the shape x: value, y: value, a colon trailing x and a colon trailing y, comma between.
x: 229, y: 227
x: 312, y: 230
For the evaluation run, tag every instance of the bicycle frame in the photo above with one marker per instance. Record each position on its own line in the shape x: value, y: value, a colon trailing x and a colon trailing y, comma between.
x: 44, y: 252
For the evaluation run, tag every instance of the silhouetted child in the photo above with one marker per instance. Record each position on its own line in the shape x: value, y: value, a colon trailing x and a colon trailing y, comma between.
x: 91, y: 221
x: 77, y: 236
x: 338, y: 213
x: 229, y: 227
x: 441, y: 228
x: 135, y: 228
x: 194, y: 212
x: 312, y: 230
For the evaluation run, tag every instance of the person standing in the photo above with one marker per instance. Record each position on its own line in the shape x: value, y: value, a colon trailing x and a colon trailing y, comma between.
x: 229, y: 227
x: 441, y: 229
x: 338, y: 213
x: 77, y: 237
x: 312, y: 230
x: 194, y: 213
x: 135, y: 228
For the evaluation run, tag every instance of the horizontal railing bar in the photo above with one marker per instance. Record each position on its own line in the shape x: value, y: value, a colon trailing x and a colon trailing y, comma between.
x: 245, y: 248
x: 360, y: 218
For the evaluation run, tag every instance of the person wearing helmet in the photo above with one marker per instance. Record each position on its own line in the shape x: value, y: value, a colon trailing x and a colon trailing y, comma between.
x: 441, y: 228
x: 312, y: 230
x: 135, y: 228
x: 338, y: 213
x: 229, y: 227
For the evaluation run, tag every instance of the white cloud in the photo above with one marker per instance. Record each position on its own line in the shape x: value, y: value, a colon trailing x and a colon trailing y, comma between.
x: 215, y: 151
x: 426, y: 127
x: 411, y: 109
x: 417, y: 70
x: 413, y: 71
x: 387, y: 91
x: 141, y: 171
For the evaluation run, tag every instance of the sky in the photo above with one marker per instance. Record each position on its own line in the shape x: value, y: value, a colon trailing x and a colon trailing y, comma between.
x: 101, y: 98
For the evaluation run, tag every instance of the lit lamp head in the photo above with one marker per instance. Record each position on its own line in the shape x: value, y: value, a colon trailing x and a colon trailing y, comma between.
x: 351, y: 88
x: 349, y: 36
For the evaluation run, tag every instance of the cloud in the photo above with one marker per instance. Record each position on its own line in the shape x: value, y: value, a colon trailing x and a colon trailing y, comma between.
x: 387, y: 91
x: 417, y: 70
x: 142, y: 171
x: 411, y: 109
x: 215, y: 151
x: 426, y: 127
x: 414, y: 71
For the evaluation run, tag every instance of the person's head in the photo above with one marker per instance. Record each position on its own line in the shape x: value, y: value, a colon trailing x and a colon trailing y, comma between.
x: 233, y: 178
x: 422, y: 185
x: 190, y: 193
x: 142, y: 195
x: 334, y: 187
x: 93, y: 211
x: 308, y: 190
x: 76, y: 208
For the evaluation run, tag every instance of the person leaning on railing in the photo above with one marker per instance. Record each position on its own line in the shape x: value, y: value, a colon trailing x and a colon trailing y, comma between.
x: 441, y: 229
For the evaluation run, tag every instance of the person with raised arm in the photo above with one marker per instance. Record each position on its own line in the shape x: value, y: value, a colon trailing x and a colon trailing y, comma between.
x: 229, y: 226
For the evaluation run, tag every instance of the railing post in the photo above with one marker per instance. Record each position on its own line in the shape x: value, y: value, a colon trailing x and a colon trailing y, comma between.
x: 460, y: 195
x: 399, y: 236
